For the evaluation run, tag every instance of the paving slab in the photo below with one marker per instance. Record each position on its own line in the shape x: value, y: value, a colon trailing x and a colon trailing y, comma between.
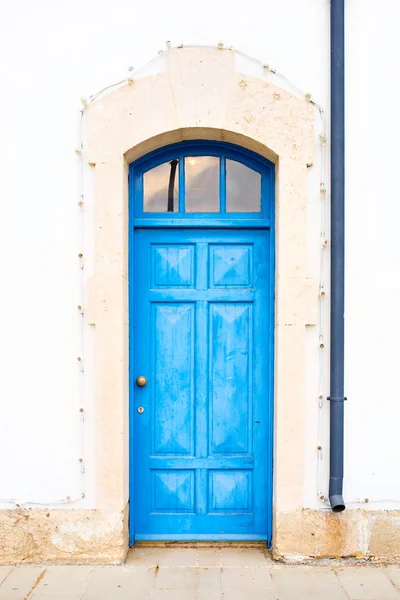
x: 176, y: 578
x: 178, y: 557
x: 255, y: 595
x: 243, y: 582
x: 294, y: 583
x: 256, y: 582
x: 209, y: 583
x: 208, y: 557
x: 63, y: 583
x: 244, y: 557
x: 172, y: 595
x: 120, y: 583
x: 144, y: 557
x: 20, y: 582
x: 366, y: 583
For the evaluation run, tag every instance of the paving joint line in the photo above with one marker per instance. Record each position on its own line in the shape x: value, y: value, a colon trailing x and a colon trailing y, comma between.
x: 86, y: 584
x: 334, y: 571
x: 391, y: 581
x: 8, y: 575
x: 38, y: 579
x: 153, y: 587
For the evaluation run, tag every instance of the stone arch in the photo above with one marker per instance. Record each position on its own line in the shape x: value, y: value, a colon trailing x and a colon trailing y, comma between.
x: 199, y: 96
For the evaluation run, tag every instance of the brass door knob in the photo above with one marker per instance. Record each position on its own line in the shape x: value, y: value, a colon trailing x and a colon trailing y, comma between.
x: 141, y: 381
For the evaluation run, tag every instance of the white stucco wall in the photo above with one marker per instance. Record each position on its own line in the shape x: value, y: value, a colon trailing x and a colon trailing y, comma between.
x: 53, y: 55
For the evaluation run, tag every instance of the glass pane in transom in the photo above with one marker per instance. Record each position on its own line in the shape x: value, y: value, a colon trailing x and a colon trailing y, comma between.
x: 243, y: 188
x: 160, y: 188
x: 201, y: 184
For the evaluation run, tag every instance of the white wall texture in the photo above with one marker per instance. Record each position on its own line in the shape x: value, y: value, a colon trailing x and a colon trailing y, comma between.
x: 55, y: 53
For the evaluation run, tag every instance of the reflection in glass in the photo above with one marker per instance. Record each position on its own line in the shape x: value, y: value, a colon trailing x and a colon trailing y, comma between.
x: 243, y: 188
x: 160, y: 188
x: 201, y: 184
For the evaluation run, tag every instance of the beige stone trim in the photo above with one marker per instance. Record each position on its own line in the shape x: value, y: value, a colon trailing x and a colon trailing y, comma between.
x: 94, y: 536
x: 200, y: 96
x: 63, y: 536
x: 354, y: 533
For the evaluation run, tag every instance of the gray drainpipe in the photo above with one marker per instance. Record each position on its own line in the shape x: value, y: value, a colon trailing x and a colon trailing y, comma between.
x: 336, y: 397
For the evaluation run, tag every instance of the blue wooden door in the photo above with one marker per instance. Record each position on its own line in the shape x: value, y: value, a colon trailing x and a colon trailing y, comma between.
x: 202, y: 424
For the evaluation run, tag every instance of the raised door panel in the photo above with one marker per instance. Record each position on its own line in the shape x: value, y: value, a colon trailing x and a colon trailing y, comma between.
x: 172, y: 491
x: 230, y: 383
x: 230, y: 491
x: 231, y: 266
x: 172, y: 265
x: 172, y: 326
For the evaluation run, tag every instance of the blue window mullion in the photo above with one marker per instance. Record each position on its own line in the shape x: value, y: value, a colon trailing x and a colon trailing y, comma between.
x: 181, y: 205
x: 222, y: 184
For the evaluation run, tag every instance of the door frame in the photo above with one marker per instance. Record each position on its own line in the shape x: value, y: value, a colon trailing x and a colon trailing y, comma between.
x: 245, y: 221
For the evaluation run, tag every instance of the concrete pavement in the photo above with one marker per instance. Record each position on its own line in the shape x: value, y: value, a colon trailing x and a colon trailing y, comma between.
x: 201, y: 574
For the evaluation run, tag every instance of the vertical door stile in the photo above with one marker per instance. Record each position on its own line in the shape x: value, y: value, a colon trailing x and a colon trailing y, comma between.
x: 201, y: 378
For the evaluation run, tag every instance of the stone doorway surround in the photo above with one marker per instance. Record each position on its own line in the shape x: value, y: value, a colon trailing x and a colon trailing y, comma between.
x: 200, y: 96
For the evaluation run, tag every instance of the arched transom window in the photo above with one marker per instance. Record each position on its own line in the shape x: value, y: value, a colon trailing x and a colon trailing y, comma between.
x: 202, y: 179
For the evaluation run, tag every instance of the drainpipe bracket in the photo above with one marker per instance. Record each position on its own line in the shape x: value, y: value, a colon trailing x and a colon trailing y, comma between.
x: 336, y: 398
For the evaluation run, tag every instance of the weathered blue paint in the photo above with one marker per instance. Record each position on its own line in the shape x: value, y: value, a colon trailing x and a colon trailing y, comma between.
x: 201, y: 305
x: 202, y: 317
x: 216, y: 223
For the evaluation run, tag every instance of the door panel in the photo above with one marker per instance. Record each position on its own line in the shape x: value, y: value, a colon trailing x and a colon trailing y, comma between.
x: 230, y: 368
x: 172, y: 328
x: 202, y: 321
